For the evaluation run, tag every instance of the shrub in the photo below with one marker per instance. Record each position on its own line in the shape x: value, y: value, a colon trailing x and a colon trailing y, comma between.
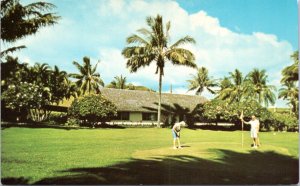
x: 92, y: 109
x: 27, y: 97
x: 221, y: 110
x: 284, y: 121
x: 57, y: 117
x: 72, y: 122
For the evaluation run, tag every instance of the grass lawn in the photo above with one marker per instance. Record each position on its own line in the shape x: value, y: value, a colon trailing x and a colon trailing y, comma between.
x: 145, y: 156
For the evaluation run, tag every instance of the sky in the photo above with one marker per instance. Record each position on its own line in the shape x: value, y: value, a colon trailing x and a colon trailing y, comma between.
x: 230, y: 34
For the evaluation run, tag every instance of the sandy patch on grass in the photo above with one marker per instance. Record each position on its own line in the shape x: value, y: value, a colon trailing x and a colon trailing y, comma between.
x: 204, y: 150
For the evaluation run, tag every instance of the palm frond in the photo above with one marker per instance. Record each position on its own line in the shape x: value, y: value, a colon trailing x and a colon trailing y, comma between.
x: 136, y: 39
x: 11, y: 50
x: 185, y: 40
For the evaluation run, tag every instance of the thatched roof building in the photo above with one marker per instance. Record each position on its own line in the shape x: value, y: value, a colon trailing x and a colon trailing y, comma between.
x: 147, y: 101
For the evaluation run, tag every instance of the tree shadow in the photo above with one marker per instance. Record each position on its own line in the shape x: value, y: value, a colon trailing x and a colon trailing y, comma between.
x: 14, y: 181
x: 63, y: 127
x: 229, y: 168
x: 177, y: 110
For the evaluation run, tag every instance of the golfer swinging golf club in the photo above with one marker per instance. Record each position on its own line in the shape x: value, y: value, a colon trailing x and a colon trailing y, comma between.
x: 176, y: 134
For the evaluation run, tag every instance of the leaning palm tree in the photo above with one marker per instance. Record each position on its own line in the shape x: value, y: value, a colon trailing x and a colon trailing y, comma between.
x: 263, y: 92
x: 18, y: 21
x: 290, y: 92
x: 87, y: 79
x: 202, y: 81
x: 153, y: 46
x: 291, y: 73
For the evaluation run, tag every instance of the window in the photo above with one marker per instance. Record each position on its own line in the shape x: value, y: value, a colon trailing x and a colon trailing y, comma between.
x: 149, y: 116
x: 122, y: 116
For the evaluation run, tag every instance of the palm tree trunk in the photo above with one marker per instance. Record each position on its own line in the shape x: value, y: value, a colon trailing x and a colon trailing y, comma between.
x: 159, y: 99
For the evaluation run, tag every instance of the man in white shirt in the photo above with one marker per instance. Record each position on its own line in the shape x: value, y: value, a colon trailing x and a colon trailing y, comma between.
x: 176, y: 134
x: 254, y: 122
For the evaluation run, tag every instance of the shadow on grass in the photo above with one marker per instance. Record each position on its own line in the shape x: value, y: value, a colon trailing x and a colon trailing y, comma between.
x: 14, y: 181
x: 230, y: 168
x: 43, y: 125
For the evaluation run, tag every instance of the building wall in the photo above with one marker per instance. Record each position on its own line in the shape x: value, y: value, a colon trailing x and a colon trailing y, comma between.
x: 135, y: 116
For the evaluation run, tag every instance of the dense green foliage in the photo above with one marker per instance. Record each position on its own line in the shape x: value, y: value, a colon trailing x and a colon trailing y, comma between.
x: 135, y: 156
x: 223, y: 110
x: 284, y: 121
x: 92, y: 109
x: 31, y: 88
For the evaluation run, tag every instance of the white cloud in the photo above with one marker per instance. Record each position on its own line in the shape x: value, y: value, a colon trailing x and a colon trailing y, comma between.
x: 101, y: 33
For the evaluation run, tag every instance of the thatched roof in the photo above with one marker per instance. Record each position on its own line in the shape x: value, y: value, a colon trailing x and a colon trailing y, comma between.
x: 146, y: 101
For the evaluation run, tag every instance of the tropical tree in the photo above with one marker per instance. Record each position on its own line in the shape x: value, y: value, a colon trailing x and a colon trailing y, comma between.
x: 119, y: 82
x: 225, y: 83
x: 88, y: 79
x: 263, y: 92
x: 58, y: 85
x: 291, y: 73
x: 202, y: 81
x: 153, y: 46
x: 235, y: 88
x: 92, y: 109
x: 290, y: 92
x: 18, y: 21
x: 40, y: 73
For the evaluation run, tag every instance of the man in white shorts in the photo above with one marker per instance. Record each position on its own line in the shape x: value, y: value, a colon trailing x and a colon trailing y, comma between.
x: 254, y: 122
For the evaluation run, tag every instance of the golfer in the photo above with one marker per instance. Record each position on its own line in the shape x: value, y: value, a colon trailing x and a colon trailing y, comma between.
x: 176, y: 134
x: 254, y: 122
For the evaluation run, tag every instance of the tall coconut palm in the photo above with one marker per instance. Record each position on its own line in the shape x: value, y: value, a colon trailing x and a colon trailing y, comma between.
x: 119, y: 82
x: 153, y: 46
x: 18, y: 21
x: 290, y: 92
x: 202, y: 81
x: 88, y: 79
x: 264, y: 93
x: 291, y: 73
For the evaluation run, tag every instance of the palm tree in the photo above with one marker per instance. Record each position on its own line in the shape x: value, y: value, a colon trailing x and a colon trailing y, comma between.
x: 58, y: 85
x: 118, y: 83
x: 88, y: 79
x: 290, y: 73
x: 40, y: 73
x: 264, y: 93
x: 225, y: 83
x: 290, y: 92
x: 18, y: 21
x: 201, y: 81
x: 235, y: 89
x: 154, y: 47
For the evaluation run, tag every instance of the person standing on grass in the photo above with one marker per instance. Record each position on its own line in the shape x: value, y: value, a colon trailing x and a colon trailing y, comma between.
x: 176, y: 134
x: 254, y: 122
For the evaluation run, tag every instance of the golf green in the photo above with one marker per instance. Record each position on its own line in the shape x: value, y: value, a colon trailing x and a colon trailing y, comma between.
x: 145, y: 156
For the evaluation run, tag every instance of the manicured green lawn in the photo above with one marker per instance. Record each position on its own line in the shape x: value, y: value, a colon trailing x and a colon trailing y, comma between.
x: 145, y: 156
